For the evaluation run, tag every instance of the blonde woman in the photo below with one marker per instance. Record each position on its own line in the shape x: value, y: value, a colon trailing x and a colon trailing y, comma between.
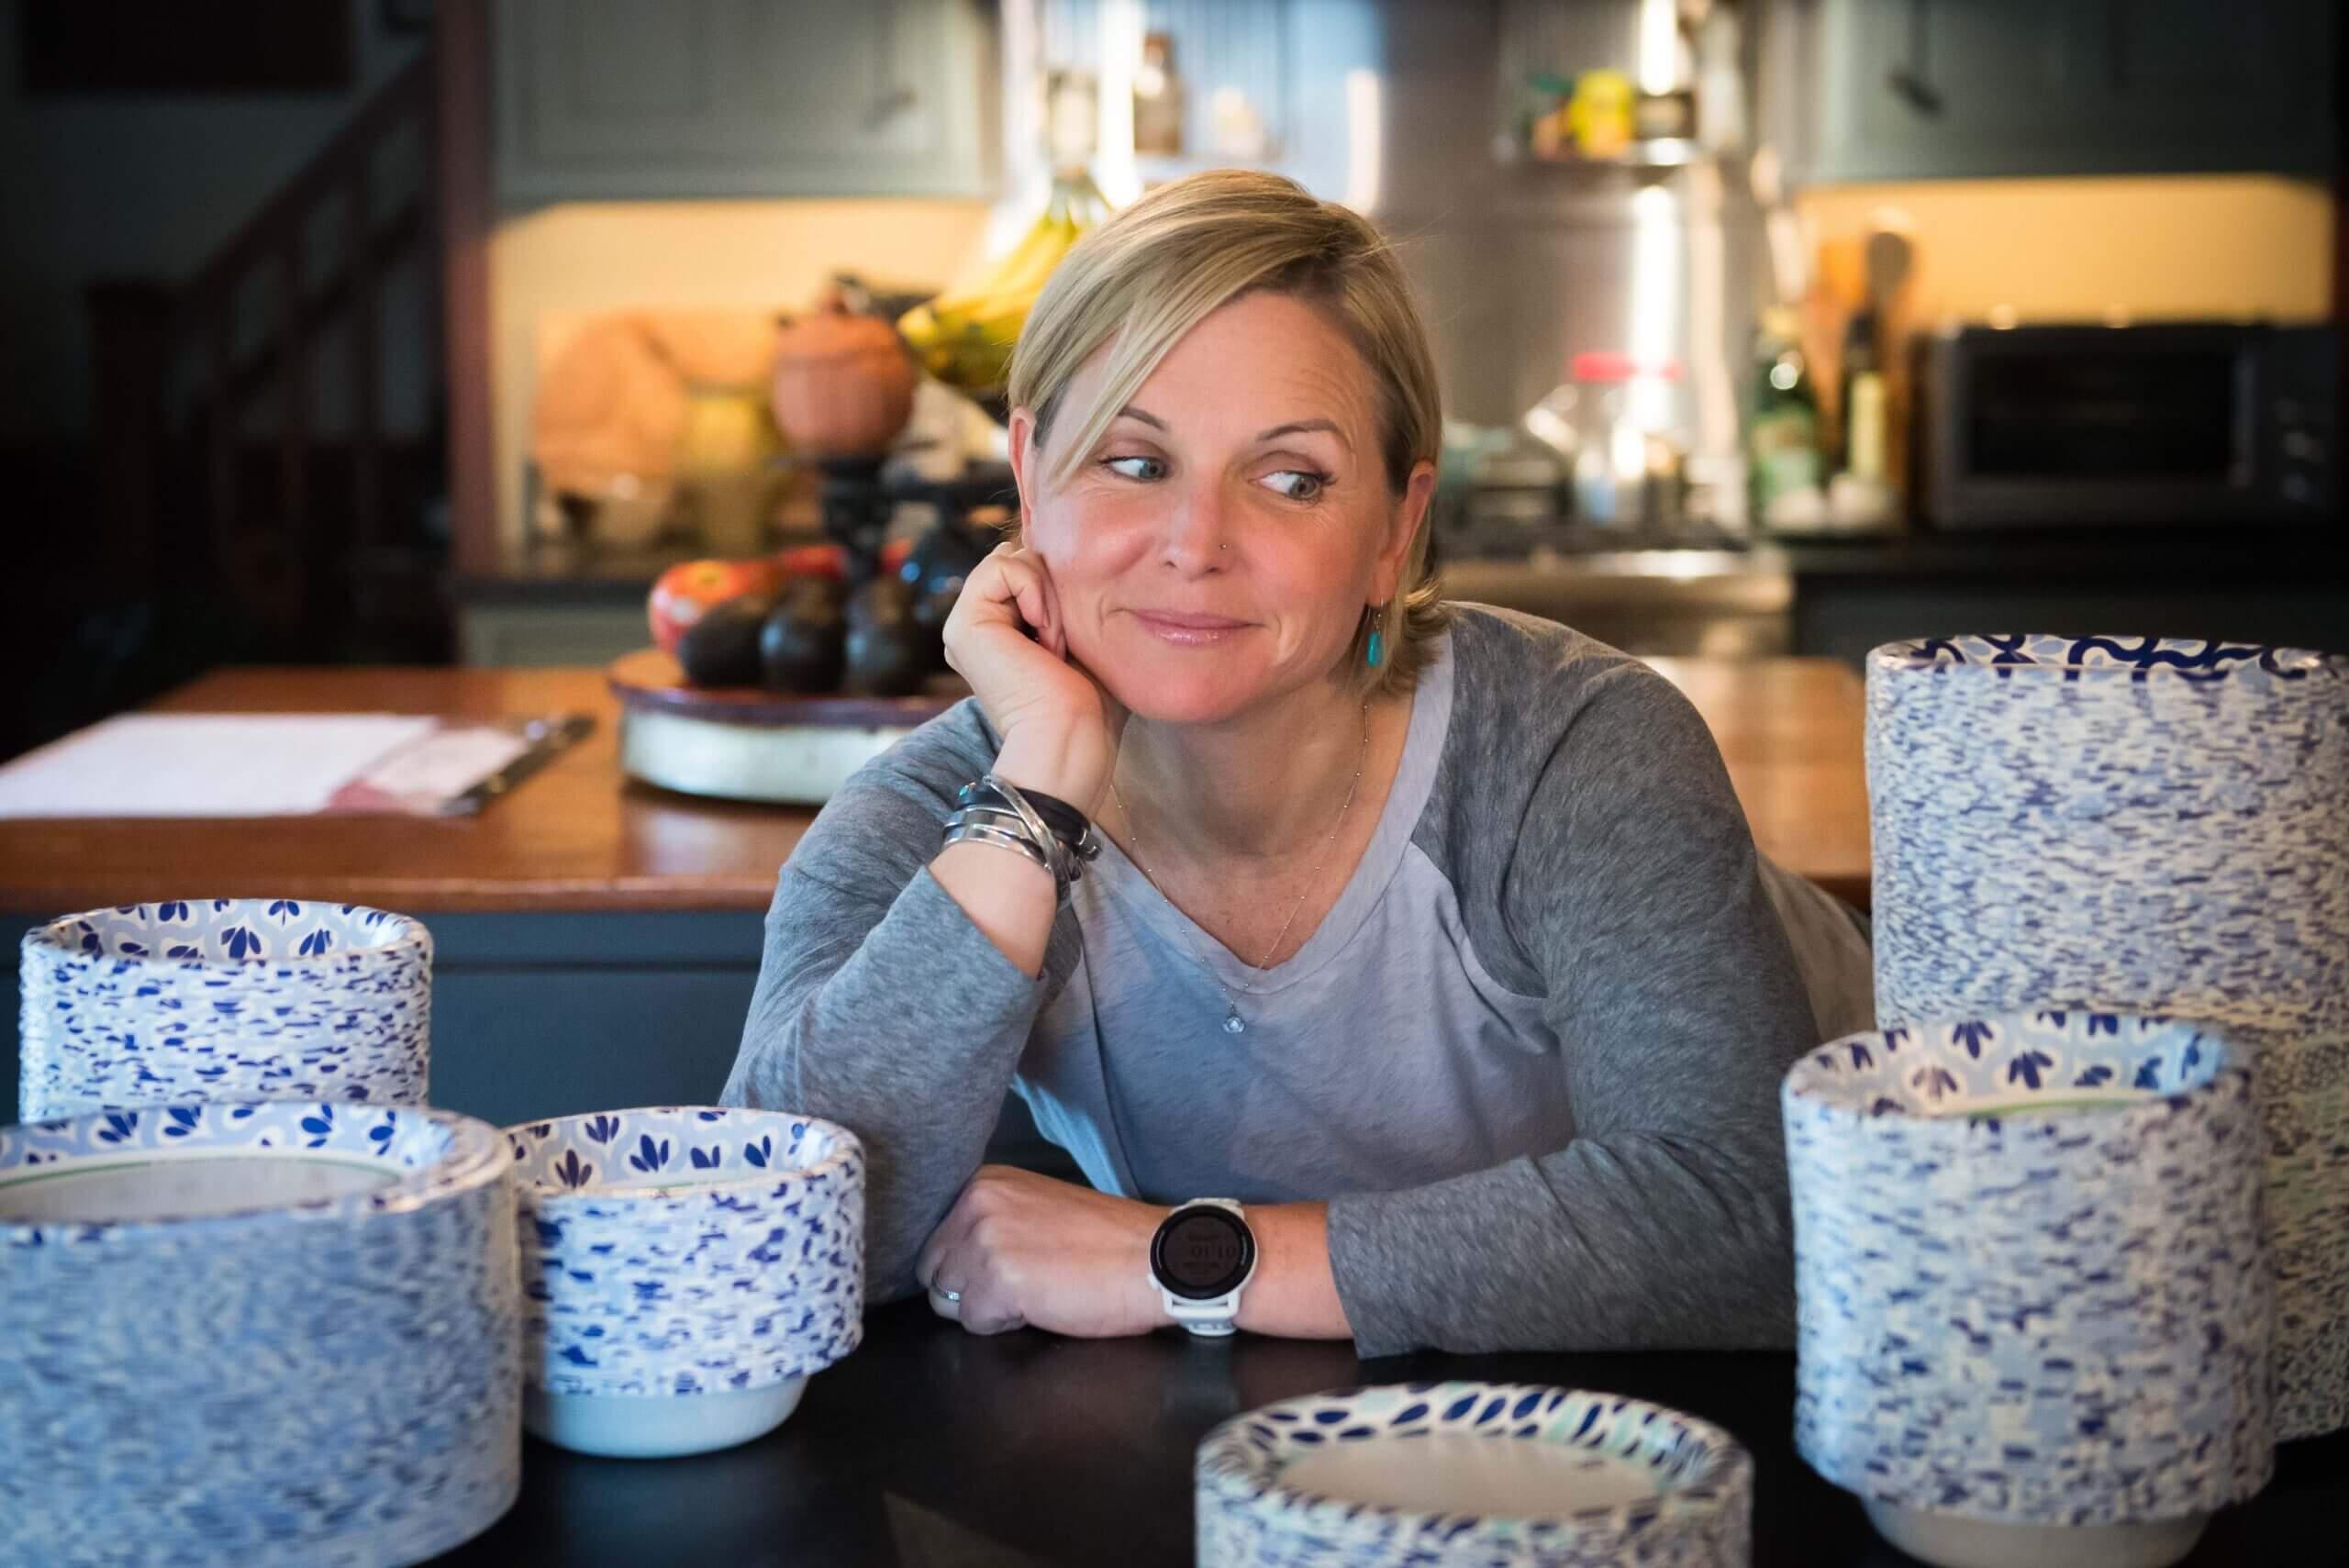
x: 1427, y: 942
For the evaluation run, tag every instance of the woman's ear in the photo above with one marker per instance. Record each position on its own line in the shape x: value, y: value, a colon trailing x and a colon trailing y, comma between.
x: 1026, y: 457
x: 1403, y: 520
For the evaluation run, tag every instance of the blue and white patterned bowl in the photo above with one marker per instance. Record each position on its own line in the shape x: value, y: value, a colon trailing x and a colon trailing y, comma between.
x: 2031, y: 1284
x: 2140, y: 825
x: 248, y: 1336
x: 687, y: 1269
x: 1496, y: 1475
x: 204, y: 1001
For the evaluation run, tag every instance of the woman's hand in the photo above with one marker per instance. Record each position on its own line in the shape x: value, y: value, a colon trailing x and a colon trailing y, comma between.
x: 1006, y: 638
x: 1023, y: 1249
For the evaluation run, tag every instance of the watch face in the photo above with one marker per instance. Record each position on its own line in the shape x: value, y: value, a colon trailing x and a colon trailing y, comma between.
x: 1202, y: 1253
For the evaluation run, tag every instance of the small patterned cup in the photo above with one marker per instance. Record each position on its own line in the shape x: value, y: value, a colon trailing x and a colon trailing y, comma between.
x: 686, y: 1270
x: 225, y: 999
x: 1454, y: 1475
x: 2033, y: 1301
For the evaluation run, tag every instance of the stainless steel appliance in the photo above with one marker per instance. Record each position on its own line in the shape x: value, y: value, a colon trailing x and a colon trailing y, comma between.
x: 2179, y: 424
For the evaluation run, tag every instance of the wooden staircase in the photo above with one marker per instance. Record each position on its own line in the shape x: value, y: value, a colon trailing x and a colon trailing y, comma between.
x: 214, y: 473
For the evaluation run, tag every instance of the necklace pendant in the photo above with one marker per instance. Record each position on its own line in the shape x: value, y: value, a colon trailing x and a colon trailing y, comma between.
x: 1232, y: 1023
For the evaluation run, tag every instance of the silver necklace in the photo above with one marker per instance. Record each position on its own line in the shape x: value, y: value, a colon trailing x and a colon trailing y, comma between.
x: 1233, y: 1022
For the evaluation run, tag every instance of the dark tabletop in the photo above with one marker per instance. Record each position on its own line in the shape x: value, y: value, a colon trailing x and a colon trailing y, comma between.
x: 929, y: 1447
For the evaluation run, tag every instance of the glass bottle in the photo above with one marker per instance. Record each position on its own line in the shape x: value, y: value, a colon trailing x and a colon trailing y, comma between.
x: 1782, y: 428
x: 1158, y: 100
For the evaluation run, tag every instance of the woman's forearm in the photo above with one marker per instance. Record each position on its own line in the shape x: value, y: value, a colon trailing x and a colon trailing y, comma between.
x: 1294, y: 1295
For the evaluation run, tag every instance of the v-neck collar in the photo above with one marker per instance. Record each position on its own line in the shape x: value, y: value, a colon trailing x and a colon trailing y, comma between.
x: 1423, y: 744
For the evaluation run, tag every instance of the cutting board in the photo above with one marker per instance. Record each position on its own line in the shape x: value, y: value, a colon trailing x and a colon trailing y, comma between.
x: 746, y: 743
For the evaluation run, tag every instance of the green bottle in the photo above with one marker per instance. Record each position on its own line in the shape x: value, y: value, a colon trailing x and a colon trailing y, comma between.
x: 1782, y: 428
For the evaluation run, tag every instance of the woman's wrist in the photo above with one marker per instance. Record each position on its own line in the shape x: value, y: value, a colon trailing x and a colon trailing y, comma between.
x: 1062, y: 767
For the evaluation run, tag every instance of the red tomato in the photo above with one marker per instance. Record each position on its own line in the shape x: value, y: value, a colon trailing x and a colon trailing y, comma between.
x: 814, y: 560
x: 684, y: 592
x: 831, y: 560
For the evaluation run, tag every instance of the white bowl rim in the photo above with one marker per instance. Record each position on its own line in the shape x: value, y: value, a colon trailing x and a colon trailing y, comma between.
x: 847, y: 1147
x: 476, y: 1156
x: 41, y: 941
x: 1238, y: 1473
x: 1801, y: 1090
x: 1920, y: 654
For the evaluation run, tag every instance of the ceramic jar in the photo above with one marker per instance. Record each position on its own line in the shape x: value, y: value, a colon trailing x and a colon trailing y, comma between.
x: 272, y: 1335
x: 686, y: 1270
x: 1497, y: 1476
x: 843, y: 384
x: 219, y: 999
x: 2034, y: 1308
x: 2147, y: 825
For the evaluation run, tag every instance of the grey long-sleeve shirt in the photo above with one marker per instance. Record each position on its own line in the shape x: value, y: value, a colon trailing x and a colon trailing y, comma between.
x: 1530, y: 1057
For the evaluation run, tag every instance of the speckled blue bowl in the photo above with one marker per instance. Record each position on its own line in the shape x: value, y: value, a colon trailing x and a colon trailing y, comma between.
x: 687, y: 1268
x: 1454, y: 1475
x: 2034, y: 1304
x: 213, y: 1000
x: 277, y: 1335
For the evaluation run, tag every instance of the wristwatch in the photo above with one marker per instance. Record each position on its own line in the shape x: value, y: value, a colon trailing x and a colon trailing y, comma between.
x: 1202, y: 1257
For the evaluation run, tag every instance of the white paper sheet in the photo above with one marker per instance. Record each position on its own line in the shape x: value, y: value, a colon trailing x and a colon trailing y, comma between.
x: 203, y: 764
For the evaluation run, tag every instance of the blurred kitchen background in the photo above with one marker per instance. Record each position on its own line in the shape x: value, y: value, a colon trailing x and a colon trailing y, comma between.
x: 405, y: 331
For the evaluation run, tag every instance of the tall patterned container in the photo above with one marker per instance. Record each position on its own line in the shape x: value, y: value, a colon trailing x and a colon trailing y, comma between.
x: 266, y: 1335
x: 2033, y: 1311
x: 204, y: 1001
x: 2133, y: 824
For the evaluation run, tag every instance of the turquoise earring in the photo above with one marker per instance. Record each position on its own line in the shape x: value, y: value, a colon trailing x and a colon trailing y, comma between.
x: 1375, y: 654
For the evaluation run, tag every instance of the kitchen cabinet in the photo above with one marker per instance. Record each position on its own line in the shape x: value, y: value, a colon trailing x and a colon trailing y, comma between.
x: 1911, y: 89
x: 663, y: 99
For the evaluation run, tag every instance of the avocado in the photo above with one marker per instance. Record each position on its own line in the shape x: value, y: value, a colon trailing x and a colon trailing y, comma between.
x: 803, y: 640
x: 722, y: 648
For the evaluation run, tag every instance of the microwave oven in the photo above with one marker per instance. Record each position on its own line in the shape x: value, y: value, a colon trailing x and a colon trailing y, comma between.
x: 2181, y: 424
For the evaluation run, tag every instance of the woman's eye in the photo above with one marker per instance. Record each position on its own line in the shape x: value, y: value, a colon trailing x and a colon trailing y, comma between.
x: 1299, y: 485
x: 1137, y: 467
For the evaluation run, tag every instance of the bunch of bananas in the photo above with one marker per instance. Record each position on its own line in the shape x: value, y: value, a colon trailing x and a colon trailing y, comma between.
x: 965, y: 336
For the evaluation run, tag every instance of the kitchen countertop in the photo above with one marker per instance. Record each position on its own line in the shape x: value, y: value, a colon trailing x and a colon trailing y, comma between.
x: 565, y: 574
x: 579, y: 837
x: 930, y: 1448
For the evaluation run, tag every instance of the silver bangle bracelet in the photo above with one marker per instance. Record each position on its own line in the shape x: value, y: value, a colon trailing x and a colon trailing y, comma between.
x: 1065, y: 866
x: 1017, y: 843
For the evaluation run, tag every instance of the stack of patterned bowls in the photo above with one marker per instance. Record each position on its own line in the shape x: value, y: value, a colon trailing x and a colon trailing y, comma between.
x: 256, y: 1336
x: 686, y: 1270
x: 224, y: 1000
x: 2133, y: 824
x: 1498, y: 1475
x: 2034, y: 1309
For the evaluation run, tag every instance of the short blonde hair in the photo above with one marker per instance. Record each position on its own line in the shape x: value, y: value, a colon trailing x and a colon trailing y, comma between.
x: 1158, y: 269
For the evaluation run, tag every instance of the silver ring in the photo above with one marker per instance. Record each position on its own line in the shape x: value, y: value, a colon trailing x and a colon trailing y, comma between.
x: 952, y: 1297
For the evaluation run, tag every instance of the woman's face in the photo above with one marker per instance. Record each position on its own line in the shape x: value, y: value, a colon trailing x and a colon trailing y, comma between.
x: 1217, y: 546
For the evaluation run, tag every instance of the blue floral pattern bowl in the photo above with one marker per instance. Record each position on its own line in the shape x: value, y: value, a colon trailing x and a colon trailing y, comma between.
x: 224, y: 999
x: 275, y: 1334
x: 2140, y: 825
x: 687, y: 1269
x: 1410, y: 1474
x: 2032, y: 1289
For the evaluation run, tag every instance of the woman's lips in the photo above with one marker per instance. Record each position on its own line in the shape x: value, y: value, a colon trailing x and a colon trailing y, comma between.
x: 1189, y: 631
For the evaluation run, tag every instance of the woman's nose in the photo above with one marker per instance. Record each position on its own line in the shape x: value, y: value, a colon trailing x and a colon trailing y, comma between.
x: 1194, y: 539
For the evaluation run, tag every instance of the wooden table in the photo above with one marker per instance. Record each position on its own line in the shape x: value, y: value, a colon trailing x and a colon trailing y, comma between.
x: 930, y: 1449
x: 579, y: 837
x: 596, y: 941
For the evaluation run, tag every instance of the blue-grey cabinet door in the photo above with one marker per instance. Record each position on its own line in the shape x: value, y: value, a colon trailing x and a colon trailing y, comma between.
x: 1954, y: 88
x: 612, y: 99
